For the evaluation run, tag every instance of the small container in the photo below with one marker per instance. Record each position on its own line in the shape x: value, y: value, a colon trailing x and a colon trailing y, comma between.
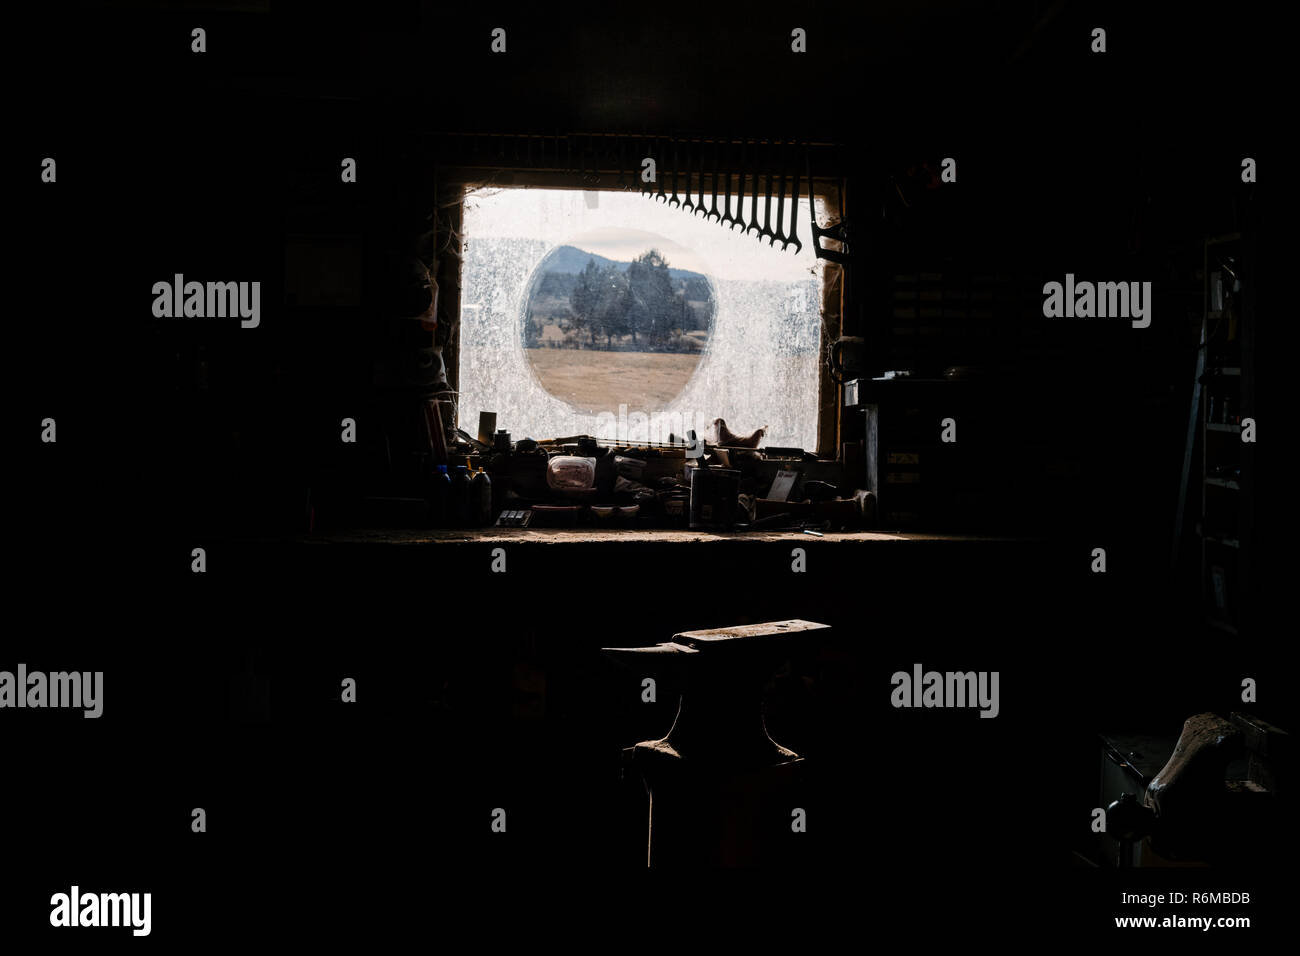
x: 487, y: 425
x: 458, y: 509
x: 569, y: 473
x: 439, y: 496
x: 480, y: 499
x: 713, y: 498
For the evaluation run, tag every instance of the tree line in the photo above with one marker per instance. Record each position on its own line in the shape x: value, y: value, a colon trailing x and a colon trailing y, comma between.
x: 609, y: 305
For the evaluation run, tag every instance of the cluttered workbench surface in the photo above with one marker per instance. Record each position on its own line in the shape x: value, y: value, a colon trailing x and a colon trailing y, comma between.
x: 588, y: 536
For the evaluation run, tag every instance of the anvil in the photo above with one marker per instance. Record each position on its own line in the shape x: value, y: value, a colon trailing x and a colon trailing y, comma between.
x: 717, y: 782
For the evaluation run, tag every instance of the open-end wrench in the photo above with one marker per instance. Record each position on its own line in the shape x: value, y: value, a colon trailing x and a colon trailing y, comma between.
x: 687, y: 201
x: 637, y: 169
x: 767, y: 202
x: 794, y: 206
x: 753, y: 207
x: 661, y: 175
x: 779, y: 235
x: 699, y: 208
x: 726, y: 193
x: 838, y: 232
x: 739, y: 219
x: 634, y: 168
x: 717, y: 159
x: 674, y: 201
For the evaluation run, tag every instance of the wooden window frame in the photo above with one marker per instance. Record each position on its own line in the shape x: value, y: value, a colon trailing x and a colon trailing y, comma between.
x: 454, y: 182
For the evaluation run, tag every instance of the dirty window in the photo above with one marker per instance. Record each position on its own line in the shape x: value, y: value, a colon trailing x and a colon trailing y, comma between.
x: 610, y: 314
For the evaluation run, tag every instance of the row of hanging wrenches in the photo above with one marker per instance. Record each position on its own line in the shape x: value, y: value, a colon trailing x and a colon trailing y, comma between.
x: 757, y: 161
x: 762, y: 165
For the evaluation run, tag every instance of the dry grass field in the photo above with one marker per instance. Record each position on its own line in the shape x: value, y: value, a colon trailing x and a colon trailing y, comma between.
x: 594, y: 381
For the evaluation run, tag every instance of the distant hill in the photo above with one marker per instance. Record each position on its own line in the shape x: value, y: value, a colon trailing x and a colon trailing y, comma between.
x: 570, y: 259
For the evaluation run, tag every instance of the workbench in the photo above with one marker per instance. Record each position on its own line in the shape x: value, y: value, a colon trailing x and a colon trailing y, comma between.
x: 594, y: 536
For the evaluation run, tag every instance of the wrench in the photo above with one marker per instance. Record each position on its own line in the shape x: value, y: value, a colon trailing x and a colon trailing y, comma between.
x: 726, y: 198
x: 767, y: 204
x: 839, y: 232
x: 661, y: 177
x: 794, y: 207
x: 739, y: 219
x: 699, y: 209
x: 753, y: 207
x: 674, y: 201
x: 688, y: 202
x: 780, y: 209
x: 647, y: 189
x: 713, y: 211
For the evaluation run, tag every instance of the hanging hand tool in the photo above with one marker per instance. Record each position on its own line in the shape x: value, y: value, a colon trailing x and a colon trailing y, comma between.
x: 717, y: 159
x: 687, y: 201
x: 779, y: 235
x: 767, y: 204
x: 739, y: 219
x: 753, y: 208
x: 638, y: 156
x: 699, y: 208
x: 726, y: 197
x: 794, y: 206
x: 675, y: 201
x: 838, y: 232
x: 661, y: 177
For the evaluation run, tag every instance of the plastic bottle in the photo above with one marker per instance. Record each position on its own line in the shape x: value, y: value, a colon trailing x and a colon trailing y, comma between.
x: 480, y: 495
x: 439, y: 496
x: 458, y: 511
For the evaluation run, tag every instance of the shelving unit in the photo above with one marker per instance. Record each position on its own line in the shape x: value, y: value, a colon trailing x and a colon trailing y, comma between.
x: 1224, y: 396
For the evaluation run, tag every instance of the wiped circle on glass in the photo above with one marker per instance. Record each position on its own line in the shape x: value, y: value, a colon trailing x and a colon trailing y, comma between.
x: 616, y: 327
